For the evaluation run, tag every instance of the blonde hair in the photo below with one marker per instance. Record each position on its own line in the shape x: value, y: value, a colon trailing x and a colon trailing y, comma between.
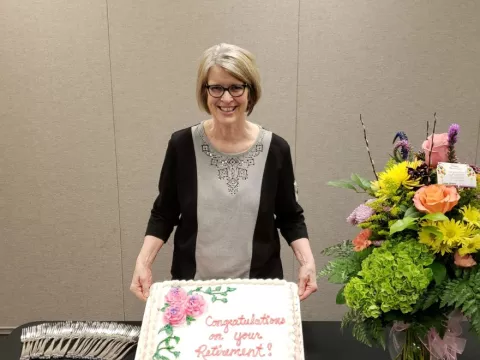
x: 238, y: 62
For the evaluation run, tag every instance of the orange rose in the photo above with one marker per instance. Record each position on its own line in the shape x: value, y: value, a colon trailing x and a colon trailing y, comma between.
x: 362, y: 241
x: 436, y: 198
x: 464, y: 261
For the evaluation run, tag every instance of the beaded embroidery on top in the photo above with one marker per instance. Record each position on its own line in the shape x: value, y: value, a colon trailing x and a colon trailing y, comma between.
x: 233, y: 168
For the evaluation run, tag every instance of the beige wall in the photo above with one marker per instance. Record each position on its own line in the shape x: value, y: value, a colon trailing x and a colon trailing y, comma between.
x: 90, y: 92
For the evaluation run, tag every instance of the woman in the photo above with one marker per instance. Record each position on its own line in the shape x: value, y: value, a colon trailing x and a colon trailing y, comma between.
x: 227, y: 186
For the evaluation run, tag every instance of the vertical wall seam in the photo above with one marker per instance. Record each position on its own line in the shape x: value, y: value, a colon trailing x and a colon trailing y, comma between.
x: 478, y: 141
x: 296, y: 95
x: 296, y: 105
x: 116, y: 164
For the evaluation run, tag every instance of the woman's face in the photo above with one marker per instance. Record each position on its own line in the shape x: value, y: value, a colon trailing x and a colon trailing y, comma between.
x: 226, y: 109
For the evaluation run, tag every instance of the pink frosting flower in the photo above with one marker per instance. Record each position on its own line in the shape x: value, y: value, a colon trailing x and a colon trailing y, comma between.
x: 464, y: 261
x: 195, y: 305
x: 176, y: 295
x: 175, y: 315
x: 360, y: 214
x: 439, y: 150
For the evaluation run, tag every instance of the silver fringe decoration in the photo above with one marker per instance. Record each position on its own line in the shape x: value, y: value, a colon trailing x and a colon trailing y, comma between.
x: 79, y: 340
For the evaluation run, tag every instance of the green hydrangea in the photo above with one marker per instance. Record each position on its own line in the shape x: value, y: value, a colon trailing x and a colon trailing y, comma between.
x: 392, y: 278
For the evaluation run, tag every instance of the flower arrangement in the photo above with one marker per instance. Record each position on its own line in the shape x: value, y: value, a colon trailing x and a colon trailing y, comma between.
x: 413, y: 267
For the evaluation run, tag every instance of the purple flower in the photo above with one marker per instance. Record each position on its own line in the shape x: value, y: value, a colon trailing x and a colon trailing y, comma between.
x: 361, y: 214
x: 404, y: 147
x: 452, y: 134
x: 401, y: 135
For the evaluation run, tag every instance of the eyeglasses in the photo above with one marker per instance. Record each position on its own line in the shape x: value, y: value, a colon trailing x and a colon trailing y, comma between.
x: 217, y: 91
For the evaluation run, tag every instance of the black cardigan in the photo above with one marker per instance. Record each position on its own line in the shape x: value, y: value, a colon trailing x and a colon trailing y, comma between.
x: 176, y: 206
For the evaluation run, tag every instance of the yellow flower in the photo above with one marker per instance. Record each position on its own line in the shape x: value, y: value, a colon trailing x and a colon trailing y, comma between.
x: 471, y: 215
x: 446, y: 236
x: 428, y: 238
x: 470, y: 245
x: 434, y: 239
x: 395, y: 177
x: 454, y: 232
x: 442, y: 248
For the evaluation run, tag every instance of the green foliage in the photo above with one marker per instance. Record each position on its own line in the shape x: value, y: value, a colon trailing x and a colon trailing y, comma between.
x: 429, y: 298
x: 406, y: 235
x: 439, y: 272
x: 367, y: 331
x: 340, y: 299
x: 411, y: 222
x: 350, y: 317
x: 361, y: 182
x: 463, y: 294
x: 405, y: 223
x: 357, y: 183
x: 468, y: 196
x: 392, y: 278
x: 340, y: 271
x: 427, y: 321
x: 347, y: 265
x: 345, y: 248
x: 435, y: 217
x: 412, y: 212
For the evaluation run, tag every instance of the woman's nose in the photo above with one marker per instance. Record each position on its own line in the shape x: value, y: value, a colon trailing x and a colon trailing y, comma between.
x: 226, y: 96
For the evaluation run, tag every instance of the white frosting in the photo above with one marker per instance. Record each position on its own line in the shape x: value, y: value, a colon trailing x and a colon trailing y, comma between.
x: 262, y: 300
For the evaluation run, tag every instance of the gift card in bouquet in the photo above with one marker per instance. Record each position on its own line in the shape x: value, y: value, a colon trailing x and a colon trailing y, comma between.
x: 461, y: 175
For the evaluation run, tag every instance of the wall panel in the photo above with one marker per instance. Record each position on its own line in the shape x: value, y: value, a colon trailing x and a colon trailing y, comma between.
x: 59, y: 228
x: 396, y: 63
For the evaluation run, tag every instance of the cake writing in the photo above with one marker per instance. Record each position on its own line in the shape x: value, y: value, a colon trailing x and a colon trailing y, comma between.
x: 181, y: 307
x: 238, y: 337
x: 205, y: 352
x: 246, y: 342
x: 243, y: 321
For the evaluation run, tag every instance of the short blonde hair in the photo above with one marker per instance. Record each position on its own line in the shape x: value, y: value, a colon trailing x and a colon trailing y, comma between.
x: 238, y: 62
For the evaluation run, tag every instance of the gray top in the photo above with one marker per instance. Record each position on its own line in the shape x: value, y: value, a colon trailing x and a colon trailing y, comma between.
x: 229, y: 188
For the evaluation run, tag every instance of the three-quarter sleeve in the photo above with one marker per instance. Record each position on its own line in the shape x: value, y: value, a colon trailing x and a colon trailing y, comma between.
x: 290, y: 219
x: 165, y: 212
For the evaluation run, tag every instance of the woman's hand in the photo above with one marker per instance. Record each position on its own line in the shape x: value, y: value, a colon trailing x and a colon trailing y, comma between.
x: 307, y: 281
x: 141, y: 281
x: 142, y: 275
x: 307, y: 276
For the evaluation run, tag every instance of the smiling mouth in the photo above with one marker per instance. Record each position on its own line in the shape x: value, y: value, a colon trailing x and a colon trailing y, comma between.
x: 228, y: 109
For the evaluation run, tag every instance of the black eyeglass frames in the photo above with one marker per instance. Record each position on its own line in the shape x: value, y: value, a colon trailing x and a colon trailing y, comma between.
x: 217, y: 91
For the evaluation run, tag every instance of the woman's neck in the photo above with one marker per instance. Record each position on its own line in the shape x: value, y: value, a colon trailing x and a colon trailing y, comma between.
x: 238, y: 131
